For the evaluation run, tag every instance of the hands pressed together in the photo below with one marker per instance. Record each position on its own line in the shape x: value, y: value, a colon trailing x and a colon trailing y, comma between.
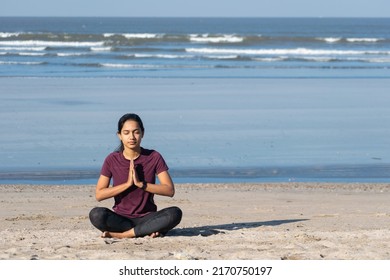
x: 133, y: 176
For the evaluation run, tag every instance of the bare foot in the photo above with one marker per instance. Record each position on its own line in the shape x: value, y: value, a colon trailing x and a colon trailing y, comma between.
x: 154, y: 234
x: 105, y: 234
x: 126, y: 234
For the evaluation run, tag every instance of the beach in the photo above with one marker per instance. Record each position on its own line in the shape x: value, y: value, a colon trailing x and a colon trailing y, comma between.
x: 275, y: 132
x: 275, y: 221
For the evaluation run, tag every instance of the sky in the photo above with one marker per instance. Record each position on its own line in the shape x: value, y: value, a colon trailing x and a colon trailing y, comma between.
x: 197, y: 8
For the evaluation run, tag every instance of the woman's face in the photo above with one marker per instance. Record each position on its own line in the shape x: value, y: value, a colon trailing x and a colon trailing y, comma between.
x: 131, y: 135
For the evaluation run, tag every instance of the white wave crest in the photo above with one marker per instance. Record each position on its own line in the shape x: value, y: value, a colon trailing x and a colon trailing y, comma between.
x: 330, y: 39
x: 205, y: 38
x: 8, y: 34
x: 222, y: 57
x: 134, y: 66
x: 297, y: 51
x: 134, y: 35
x: 34, y: 49
x: 32, y: 43
x: 101, y: 49
x: 168, y: 56
x: 364, y: 40
x: 70, y: 54
x: 31, y: 54
x: 270, y: 59
x: 141, y: 35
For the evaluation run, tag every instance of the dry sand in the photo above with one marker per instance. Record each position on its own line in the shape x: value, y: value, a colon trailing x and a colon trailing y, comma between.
x: 309, y: 221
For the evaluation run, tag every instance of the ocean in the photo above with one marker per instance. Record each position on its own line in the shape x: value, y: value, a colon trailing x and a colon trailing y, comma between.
x: 194, y: 47
x: 224, y: 99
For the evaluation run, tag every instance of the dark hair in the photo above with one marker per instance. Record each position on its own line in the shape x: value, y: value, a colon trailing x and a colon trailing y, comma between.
x: 125, y: 118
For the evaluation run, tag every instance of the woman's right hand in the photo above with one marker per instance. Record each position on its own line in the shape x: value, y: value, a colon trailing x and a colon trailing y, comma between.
x: 130, y: 180
x: 103, y: 191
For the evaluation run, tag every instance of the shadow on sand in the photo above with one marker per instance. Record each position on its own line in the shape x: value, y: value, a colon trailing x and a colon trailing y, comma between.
x: 217, y: 229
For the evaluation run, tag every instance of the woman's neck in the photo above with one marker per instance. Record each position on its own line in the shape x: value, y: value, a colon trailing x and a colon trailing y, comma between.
x: 131, y: 154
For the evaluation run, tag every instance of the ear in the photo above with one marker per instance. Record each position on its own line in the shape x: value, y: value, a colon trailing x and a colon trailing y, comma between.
x: 119, y: 135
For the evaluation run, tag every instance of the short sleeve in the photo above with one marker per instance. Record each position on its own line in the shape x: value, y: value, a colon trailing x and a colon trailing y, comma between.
x: 106, y: 170
x: 161, y: 165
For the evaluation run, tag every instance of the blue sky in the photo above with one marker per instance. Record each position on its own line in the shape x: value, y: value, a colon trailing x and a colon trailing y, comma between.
x: 183, y: 8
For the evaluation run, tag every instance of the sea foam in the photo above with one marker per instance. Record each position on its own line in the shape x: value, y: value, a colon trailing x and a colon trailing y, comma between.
x: 205, y: 38
x: 296, y: 51
x: 36, y: 43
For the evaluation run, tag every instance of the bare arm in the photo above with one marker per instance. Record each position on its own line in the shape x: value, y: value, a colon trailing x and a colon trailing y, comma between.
x: 102, y: 187
x: 103, y: 191
x: 165, y: 188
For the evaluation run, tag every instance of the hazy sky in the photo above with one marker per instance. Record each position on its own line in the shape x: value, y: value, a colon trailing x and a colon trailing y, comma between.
x: 206, y: 8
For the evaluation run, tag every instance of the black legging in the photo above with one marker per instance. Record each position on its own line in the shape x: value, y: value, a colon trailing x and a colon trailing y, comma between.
x: 161, y: 221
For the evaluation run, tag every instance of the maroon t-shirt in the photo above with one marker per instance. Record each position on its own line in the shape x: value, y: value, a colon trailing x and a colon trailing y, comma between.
x: 134, y: 202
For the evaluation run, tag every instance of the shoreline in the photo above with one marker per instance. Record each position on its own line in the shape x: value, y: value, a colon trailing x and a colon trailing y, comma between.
x: 308, y: 221
x: 347, y: 173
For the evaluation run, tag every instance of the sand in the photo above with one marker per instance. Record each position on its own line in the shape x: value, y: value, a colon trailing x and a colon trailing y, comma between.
x: 274, y: 221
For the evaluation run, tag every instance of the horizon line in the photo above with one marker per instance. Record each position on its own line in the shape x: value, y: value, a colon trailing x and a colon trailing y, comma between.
x: 192, y: 17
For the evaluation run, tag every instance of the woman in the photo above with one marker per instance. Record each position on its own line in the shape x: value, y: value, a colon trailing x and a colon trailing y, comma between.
x: 133, y: 170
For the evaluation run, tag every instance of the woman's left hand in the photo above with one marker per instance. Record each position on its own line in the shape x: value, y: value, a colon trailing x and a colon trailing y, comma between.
x: 136, y: 181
